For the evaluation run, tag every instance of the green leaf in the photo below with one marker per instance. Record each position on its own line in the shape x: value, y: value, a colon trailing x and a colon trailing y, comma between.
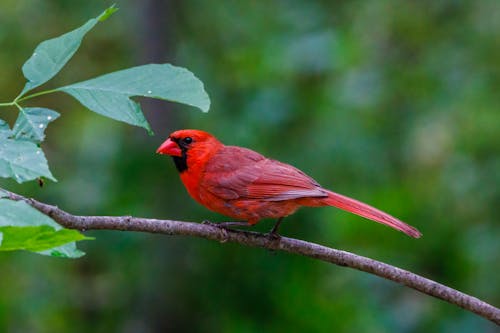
x: 36, y: 238
x: 110, y: 94
x: 22, y: 160
x: 112, y: 105
x: 68, y: 250
x: 25, y: 228
x: 51, y: 55
x: 32, y: 122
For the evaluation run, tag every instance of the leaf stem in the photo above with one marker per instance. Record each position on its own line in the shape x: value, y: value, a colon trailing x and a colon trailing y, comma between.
x: 7, y: 104
x: 45, y: 92
x: 18, y: 99
x: 19, y: 107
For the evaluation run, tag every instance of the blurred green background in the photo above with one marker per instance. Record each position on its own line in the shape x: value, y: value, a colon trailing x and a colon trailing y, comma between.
x: 395, y: 103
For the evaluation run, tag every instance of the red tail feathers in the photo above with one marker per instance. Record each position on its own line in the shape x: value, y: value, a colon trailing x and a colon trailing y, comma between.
x: 362, y: 209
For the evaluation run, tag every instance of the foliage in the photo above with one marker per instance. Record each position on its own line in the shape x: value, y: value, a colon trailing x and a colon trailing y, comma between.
x: 21, y: 157
x: 25, y: 228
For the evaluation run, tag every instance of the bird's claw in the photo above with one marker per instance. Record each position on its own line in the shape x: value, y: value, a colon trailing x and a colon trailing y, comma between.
x: 207, y: 222
x: 273, y: 236
x: 220, y: 225
x: 222, y: 228
x: 224, y: 235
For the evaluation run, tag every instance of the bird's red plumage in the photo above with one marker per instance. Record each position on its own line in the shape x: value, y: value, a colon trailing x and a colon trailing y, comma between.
x: 243, y: 184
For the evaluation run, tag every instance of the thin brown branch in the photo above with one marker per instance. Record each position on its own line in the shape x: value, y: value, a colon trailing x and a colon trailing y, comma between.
x: 290, y: 245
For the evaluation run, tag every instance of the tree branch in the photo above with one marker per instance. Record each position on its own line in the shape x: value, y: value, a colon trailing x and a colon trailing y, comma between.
x: 290, y: 245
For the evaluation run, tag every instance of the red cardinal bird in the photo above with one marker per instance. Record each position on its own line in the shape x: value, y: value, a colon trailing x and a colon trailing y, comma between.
x: 243, y: 184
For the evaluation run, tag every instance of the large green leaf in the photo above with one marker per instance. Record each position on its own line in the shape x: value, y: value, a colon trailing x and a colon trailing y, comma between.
x: 112, y: 105
x: 110, y: 94
x: 22, y: 160
x: 24, y: 228
x: 51, y: 55
x: 32, y: 122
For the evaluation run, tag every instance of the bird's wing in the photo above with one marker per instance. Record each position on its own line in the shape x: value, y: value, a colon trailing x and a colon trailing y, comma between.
x: 279, y: 181
x: 244, y: 174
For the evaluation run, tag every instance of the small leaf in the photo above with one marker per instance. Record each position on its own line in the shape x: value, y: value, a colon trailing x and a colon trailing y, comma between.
x: 110, y: 94
x: 22, y: 160
x: 107, y: 13
x: 31, y: 123
x: 36, y: 238
x: 25, y: 228
x: 51, y: 55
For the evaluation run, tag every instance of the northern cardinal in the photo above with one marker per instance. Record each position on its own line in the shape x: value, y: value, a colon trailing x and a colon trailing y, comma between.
x: 245, y: 185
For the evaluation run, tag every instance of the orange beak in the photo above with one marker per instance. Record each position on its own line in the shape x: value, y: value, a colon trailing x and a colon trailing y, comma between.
x: 169, y: 147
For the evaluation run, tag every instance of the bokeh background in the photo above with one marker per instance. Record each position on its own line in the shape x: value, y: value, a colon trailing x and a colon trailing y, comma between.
x: 395, y: 103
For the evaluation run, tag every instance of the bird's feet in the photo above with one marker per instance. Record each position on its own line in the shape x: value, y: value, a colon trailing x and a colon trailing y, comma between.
x: 273, y: 235
x: 222, y: 229
x: 207, y: 222
x: 233, y: 224
x: 226, y: 225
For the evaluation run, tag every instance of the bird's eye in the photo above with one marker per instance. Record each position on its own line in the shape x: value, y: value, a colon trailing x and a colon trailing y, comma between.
x: 188, y: 140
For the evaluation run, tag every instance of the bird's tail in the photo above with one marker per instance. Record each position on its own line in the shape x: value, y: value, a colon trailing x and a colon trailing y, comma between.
x: 362, y: 209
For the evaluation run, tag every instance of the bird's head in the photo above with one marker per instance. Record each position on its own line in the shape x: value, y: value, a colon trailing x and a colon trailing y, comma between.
x: 188, y: 143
